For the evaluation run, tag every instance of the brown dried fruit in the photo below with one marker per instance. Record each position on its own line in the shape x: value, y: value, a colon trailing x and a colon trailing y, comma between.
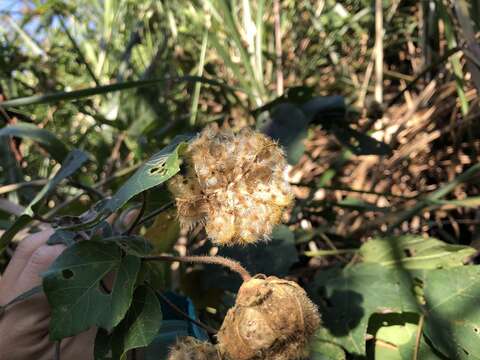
x: 272, y: 319
x: 189, y: 348
x: 234, y: 185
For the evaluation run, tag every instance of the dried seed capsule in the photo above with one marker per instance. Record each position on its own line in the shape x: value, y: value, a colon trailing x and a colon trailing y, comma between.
x: 272, y: 319
x: 189, y: 348
x: 234, y: 185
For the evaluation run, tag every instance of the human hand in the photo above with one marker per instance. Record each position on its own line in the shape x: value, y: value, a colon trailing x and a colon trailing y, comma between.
x: 24, y: 324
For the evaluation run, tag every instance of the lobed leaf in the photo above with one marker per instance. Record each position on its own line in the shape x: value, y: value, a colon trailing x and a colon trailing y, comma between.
x: 73, y: 288
x: 358, y: 292
x: 138, y: 329
x: 452, y: 303
x: 415, y: 252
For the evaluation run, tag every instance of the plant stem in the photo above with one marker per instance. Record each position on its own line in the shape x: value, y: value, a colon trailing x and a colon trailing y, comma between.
x: 58, y: 349
x: 154, y: 213
x: 139, y: 215
x: 204, y: 259
x: 417, y: 339
x: 182, y: 313
x: 330, y: 252
x: 78, y: 50
x: 25, y: 295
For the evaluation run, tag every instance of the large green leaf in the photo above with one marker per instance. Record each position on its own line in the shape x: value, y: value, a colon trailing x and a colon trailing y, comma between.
x: 395, y: 337
x: 415, y: 252
x: 50, y: 142
x: 74, y: 160
x: 354, y: 294
x: 448, y: 298
x: 452, y: 303
x: 138, y: 329
x: 73, y: 287
x: 155, y: 171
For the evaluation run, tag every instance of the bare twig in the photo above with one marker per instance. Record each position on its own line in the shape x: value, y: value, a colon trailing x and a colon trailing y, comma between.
x: 379, y: 51
x: 12, y: 187
x: 422, y: 73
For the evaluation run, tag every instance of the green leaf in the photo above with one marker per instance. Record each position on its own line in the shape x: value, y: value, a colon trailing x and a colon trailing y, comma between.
x: 155, y: 171
x: 470, y: 202
x: 354, y: 294
x: 415, y: 252
x: 64, y: 237
x: 123, y: 288
x: 453, y: 311
x: 50, y: 142
x: 138, y: 329
x: 133, y: 245
x: 72, y: 285
x: 323, y: 347
x: 362, y: 293
x: 74, y: 160
x: 158, y: 169
x: 395, y: 337
x: 289, y: 126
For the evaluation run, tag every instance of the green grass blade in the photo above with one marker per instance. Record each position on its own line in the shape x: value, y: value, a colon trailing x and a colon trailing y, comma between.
x: 98, y: 90
x: 50, y: 142
x: 232, y: 29
x: 196, y: 94
x: 455, y: 59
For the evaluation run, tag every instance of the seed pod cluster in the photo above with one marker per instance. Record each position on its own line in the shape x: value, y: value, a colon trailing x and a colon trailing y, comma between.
x: 272, y: 319
x: 233, y: 184
x: 189, y: 348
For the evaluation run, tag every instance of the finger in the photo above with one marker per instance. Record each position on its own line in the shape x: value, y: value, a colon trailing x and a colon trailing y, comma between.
x: 121, y: 222
x: 20, y: 259
x: 38, y: 263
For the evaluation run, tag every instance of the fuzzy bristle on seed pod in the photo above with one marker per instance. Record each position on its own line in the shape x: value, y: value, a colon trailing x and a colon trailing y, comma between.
x: 233, y: 184
x: 189, y: 348
x: 272, y: 319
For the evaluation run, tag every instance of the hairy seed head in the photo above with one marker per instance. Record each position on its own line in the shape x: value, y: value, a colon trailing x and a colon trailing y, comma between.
x: 233, y: 184
x: 272, y: 319
x: 189, y: 348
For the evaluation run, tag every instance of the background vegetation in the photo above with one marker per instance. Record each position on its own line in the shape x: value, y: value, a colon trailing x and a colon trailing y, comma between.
x: 375, y: 103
